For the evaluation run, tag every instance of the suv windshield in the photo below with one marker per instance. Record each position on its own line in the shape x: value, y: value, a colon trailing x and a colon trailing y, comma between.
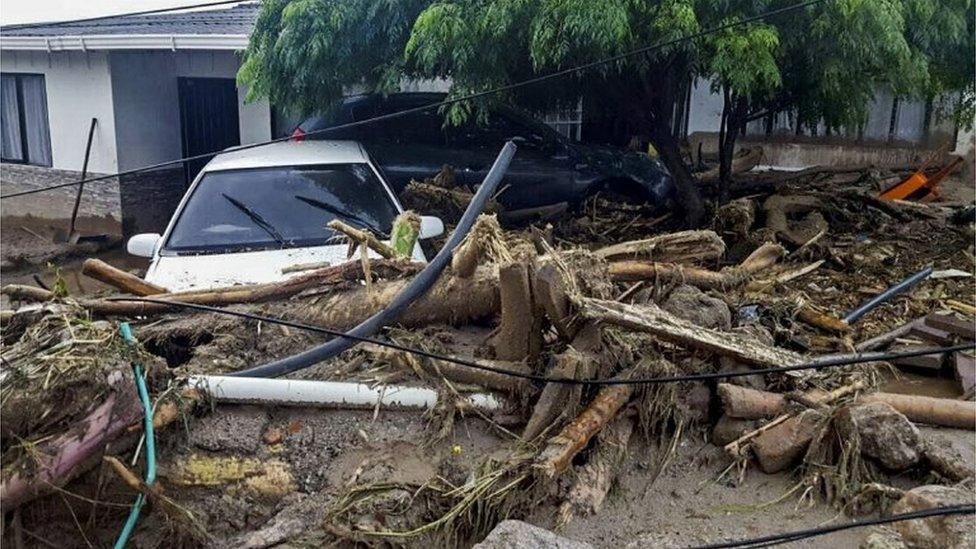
x: 280, y: 207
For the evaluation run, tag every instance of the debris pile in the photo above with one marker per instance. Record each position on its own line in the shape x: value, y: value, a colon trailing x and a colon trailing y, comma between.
x: 506, y: 343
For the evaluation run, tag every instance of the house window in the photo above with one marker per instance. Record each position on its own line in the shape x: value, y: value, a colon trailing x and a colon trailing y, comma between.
x: 568, y: 121
x: 24, y: 130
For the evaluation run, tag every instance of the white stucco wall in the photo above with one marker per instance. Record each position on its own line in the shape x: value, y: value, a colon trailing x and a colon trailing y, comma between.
x: 78, y: 87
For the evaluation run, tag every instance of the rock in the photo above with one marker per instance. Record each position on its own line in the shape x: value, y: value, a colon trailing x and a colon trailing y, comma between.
x: 728, y: 429
x: 694, y: 399
x: 515, y: 534
x: 782, y: 445
x: 885, y: 434
x: 693, y: 305
x: 936, y: 532
x: 883, y: 538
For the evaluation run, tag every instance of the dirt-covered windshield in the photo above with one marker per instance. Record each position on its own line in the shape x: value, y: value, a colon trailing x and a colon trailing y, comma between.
x: 280, y: 207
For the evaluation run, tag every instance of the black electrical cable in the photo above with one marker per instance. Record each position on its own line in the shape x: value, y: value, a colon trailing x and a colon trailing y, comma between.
x: 25, y: 26
x: 828, y: 361
x: 446, y: 102
x: 776, y: 539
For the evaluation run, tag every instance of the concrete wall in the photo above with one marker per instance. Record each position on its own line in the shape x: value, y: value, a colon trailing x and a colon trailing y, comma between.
x: 79, y: 87
x: 705, y: 115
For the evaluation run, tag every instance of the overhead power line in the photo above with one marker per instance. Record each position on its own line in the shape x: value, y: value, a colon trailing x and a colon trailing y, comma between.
x: 829, y: 361
x: 447, y: 102
x: 24, y: 26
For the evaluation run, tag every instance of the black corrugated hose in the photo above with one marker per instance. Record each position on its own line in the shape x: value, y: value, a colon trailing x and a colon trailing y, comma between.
x: 417, y: 287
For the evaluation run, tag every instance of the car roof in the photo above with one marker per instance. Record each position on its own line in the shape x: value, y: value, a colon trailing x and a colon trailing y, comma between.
x: 289, y: 153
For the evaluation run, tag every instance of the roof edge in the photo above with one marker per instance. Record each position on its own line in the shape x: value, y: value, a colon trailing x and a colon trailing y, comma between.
x: 172, y: 42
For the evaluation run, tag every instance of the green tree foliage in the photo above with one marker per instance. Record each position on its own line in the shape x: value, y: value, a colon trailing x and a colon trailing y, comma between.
x: 823, y: 62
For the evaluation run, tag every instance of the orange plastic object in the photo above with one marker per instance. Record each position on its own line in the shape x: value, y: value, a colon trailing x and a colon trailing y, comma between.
x: 919, y: 186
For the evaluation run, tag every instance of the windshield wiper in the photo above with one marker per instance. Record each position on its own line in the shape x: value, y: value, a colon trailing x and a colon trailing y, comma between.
x: 343, y: 214
x: 257, y: 219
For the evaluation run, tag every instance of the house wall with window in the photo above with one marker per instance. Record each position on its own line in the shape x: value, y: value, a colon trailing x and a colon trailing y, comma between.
x: 77, y: 86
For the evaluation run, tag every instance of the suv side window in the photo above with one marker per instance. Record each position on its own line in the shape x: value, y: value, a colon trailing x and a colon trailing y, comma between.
x: 495, y: 132
x: 418, y: 128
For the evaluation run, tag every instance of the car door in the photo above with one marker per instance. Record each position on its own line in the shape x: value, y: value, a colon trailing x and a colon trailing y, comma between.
x: 409, y: 147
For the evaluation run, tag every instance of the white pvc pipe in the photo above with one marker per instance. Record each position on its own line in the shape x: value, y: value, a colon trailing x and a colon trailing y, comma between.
x: 331, y: 394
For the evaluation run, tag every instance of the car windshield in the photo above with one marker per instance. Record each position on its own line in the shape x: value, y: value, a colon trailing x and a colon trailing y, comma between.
x: 280, y: 207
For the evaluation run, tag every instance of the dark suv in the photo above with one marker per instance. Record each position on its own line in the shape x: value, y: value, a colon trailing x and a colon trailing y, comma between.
x: 547, y: 169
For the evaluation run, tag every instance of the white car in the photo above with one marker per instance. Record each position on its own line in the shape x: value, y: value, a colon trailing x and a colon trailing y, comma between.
x: 251, y: 213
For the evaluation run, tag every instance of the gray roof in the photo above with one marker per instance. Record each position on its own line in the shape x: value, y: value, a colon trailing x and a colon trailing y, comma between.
x: 237, y: 20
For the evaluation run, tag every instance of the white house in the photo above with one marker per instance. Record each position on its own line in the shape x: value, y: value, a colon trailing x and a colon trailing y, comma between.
x: 159, y: 87
x: 145, y: 79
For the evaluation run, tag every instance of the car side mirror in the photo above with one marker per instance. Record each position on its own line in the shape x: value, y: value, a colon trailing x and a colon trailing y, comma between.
x: 430, y: 226
x: 144, y: 245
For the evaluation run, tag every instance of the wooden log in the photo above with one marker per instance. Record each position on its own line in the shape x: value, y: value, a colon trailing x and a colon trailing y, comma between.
x: 745, y: 403
x: 594, y: 480
x: 560, y: 449
x: 519, y: 333
x: 780, y: 446
x: 886, y: 338
x: 762, y: 258
x: 23, y: 292
x: 482, y: 243
x: 559, y: 400
x: 946, y: 412
x: 822, y: 320
x: 117, y: 278
x: 727, y: 429
x: 549, y: 289
x: 650, y: 318
x: 814, y: 398
x: 255, y: 293
x: 680, y: 247
x: 364, y: 238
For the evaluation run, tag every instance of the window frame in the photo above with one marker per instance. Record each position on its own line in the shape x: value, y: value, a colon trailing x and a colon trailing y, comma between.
x: 22, y: 120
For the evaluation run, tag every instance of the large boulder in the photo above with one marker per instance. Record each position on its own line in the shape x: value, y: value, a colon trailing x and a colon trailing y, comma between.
x: 515, y: 534
x: 936, y: 532
x: 695, y: 306
x: 885, y: 434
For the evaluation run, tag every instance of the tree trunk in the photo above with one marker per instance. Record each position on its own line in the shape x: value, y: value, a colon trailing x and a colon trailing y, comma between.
x: 734, y: 112
x: 654, y: 102
x: 689, y: 195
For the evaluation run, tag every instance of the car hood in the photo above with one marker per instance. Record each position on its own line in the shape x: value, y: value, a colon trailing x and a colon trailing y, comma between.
x: 609, y: 162
x: 627, y: 163
x: 207, y: 271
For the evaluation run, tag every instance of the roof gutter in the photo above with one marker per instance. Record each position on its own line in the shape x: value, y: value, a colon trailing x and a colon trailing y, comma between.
x: 172, y: 42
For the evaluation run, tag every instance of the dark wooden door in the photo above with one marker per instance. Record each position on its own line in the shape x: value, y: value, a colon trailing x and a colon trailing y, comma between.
x: 208, y: 119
